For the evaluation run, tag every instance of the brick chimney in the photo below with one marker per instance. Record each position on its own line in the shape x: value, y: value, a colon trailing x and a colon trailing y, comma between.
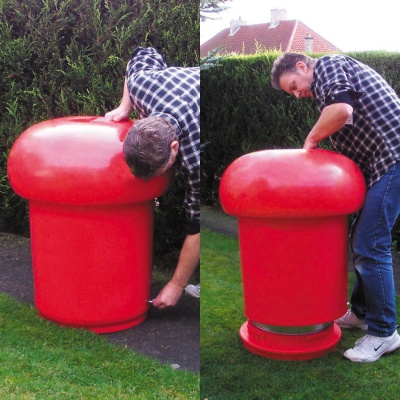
x: 308, y: 43
x: 277, y: 16
x: 235, y: 25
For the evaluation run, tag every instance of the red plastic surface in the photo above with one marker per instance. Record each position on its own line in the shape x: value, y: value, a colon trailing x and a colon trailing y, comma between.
x: 294, y: 271
x: 292, y: 208
x: 289, y: 347
x: 292, y: 183
x: 77, y: 160
x: 91, y: 222
x: 92, y: 265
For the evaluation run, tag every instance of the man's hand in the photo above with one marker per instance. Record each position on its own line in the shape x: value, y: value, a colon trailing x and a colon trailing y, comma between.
x: 168, y: 296
x: 189, y: 258
x: 119, y: 114
x: 310, y: 144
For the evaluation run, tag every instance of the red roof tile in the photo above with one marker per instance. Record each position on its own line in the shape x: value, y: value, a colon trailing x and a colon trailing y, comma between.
x: 286, y: 36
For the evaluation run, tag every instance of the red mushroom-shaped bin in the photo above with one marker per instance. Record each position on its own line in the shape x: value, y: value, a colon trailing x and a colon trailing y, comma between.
x: 292, y: 208
x: 91, y: 222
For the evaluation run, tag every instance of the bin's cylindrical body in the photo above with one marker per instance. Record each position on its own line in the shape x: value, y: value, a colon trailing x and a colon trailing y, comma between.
x: 292, y: 208
x: 91, y: 222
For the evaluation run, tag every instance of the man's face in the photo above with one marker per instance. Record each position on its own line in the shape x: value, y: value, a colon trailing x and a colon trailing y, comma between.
x: 298, y: 83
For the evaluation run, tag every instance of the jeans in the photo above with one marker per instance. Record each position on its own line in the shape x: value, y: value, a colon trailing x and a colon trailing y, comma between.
x: 373, y: 296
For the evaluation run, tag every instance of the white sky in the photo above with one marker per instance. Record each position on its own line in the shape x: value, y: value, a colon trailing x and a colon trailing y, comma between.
x: 348, y: 24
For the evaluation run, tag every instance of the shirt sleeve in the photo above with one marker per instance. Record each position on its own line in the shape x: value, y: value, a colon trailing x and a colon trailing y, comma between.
x: 191, y: 201
x: 342, y: 97
x: 145, y: 59
x: 334, y: 83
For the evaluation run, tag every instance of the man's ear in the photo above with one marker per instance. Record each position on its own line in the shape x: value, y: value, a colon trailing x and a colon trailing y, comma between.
x: 302, y: 66
x: 174, y: 146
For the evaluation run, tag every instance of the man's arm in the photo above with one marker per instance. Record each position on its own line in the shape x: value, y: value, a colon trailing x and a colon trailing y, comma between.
x: 332, y: 119
x: 124, y: 109
x: 188, y: 260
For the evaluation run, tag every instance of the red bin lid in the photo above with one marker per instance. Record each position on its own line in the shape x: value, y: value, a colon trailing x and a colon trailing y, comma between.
x: 292, y: 183
x: 78, y: 160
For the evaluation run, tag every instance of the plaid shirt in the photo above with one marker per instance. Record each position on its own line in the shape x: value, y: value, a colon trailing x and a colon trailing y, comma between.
x: 372, y: 139
x: 172, y: 93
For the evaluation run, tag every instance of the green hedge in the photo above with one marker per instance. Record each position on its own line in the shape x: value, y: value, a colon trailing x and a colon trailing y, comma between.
x: 68, y: 57
x: 241, y: 112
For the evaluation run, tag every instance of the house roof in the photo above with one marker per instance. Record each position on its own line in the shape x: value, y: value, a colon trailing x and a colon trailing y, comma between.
x: 286, y: 36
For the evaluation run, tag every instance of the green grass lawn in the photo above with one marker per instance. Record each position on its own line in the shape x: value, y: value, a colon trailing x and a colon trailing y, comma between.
x: 40, y: 360
x: 229, y: 371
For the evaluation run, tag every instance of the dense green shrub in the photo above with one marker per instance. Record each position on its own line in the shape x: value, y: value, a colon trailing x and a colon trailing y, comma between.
x: 68, y: 57
x: 241, y: 112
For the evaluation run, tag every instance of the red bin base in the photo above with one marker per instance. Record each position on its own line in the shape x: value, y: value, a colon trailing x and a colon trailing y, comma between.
x: 289, y: 347
x: 101, y: 328
x: 92, y: 265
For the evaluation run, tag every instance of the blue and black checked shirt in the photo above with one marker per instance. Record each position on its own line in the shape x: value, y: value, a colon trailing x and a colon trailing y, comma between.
x: 372, y: 140
x: 172, y: 93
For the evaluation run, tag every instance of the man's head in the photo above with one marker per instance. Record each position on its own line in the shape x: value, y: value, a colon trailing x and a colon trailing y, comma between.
x: 150, y: 147
x: 293, y: 73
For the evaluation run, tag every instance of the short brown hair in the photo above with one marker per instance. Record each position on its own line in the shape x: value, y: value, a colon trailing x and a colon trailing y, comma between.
x: 147, y: 146
x: 287, y: 63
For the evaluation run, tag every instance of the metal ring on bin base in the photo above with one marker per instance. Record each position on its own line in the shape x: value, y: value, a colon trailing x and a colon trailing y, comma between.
x: 299, y: 347
x: 292, y: 330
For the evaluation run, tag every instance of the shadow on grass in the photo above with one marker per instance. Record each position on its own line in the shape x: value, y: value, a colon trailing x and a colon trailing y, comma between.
x: 229, y: 371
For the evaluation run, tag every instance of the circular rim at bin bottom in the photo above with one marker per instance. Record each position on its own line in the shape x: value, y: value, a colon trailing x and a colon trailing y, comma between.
x: 292, y: 330
x: 100, y: 328
x: 289, y: 347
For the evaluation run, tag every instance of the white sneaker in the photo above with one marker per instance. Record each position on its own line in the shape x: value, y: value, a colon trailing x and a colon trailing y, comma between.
x: 371, y: 348
x: 193, y: 290
x: 350, y: 321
